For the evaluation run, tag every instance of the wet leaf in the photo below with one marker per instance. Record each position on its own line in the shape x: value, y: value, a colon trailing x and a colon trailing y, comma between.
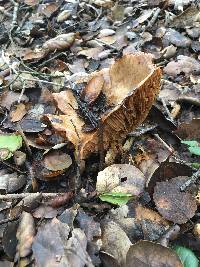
x: 145, y: 253
x: 174, y: 205
x: 115, y: 242
x: 116, y: 198
x: 57, y: 160
x: 186, y: 256
x: 25, y: 234
x: 9, y: 240
x: 51, y: 246
x: 9, y: 143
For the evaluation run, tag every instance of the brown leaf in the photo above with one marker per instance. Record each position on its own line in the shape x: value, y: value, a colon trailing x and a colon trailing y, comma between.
x: 9, y: 97
x: 174, y: 205
x: 25, y: 234
x: 60, y: 42
x: 92, y: 90
x: 123, y: 178
x: 184, y: 64
x: 48, y: 9
x: 145, y: 253
x: 57, y: 160
x: 34, y: 55
x: 115, y: 241
x: 18, y: 113
x: 91, y: 52
x: 130, y: 87
x: 189, y: 131
x: 166, y: 171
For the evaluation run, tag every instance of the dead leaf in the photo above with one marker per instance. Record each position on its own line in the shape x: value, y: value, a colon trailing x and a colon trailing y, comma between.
x: 48, y: 9
x: 44, y: 211
x: 11, y: 182
x: 60, y: 42
x: 103, y: 3
x: 90, y: 93
x: 51, y: 246
x: 174, y: 37
x: 57, y: 160
x: 145, y: 253
x: 9, y: 97
x: 189, y: 131
x: 91, y: 52
x: 184, y: 64
x: 25, y: 234
x: 122, y: 178
x: 174, y: 205
x: 34, y: 55
x: 115, y: 242
x: 126, y: 88
x: 18, y: 113
x: 187, y: 18
x: 166, y: 171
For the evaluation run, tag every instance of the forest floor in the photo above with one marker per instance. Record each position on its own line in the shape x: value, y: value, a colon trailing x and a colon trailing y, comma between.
x: 99, y: 133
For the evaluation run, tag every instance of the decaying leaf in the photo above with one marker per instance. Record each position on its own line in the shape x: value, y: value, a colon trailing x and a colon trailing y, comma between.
x: 189, y: 131
x: 60, y: 42
x: 130, y: 87
x: 90, y: 93
x: 121, y: 178
x: 57, y: 160
x: 115, y: 241
x: 184, y: 64
x: 51, y: 246
x: 145, y: 253
x: 18, y: 113
x: 174, y: 205
x: 25, y: 234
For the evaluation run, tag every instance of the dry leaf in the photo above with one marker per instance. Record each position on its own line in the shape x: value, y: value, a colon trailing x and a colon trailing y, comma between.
x: 48, y: 9
x: 130, y: 87
x: 184, y: 64
x: 9, y: 97
x: 174, y: 205
x: 60, y: 42
x: 25, y: 234
x: 145, y: 253
x: 18, y: 113
x: 122, y: 178
x: 90, y: 93
x: 91, y: 52
x: 34, y: 55
x: 115, y: 241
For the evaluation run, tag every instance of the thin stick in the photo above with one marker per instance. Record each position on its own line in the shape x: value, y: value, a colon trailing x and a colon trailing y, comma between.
x: 23, y: 195
x: 164, y: 143
x: 192, y: 180
x: 19, y: 128
x: 15, y: 13
x: 12, y: 167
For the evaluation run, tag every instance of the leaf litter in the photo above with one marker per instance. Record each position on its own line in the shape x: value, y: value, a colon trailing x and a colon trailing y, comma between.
x: 99, y: 133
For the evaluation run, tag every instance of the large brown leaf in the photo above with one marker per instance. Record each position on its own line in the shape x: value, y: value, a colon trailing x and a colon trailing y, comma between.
x: 130, y: 87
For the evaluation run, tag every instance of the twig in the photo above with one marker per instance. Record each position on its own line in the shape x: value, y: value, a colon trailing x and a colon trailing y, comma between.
x: 15, y: 13
x: 4, y: 12
x: 100, y: 145
x: 19, y: 128
x: 164, y: 143
x: 166, y: 109
x: 23, y: 195
x: 50, y: 59
x: 12, y: 167
x: 192, y: 180
x: 154, y: 18
x: 189, y: 99
x: 77, y: 182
